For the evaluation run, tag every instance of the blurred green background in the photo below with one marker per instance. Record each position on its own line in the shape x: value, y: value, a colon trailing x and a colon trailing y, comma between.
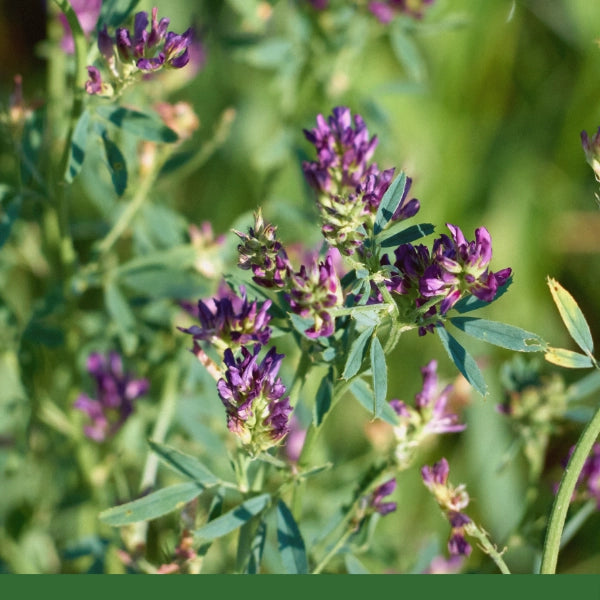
x: 482, y: 104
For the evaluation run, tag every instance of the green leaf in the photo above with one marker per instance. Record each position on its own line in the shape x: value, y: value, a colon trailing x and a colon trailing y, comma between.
x: 357, y: 353
x: 324, y: 397
x: 471, y: 303
x: 118, y: 309
x: 572, y: 316
x: 117, y: 167
x: 153, y: 505
x: 389, y: 239
x: 354, y: 566
x: 584, y: 387
x: 407, y: 53
x: 568, y: 359
x: 364, y: 394
x: 11, y: 209
x: 184, y: 464
x: 158, y: 282
x: 233, y: 519
x: 142, y: 125
x: 291, y: 545
x: 389, y: 203
x: 500, y: 334
x: 115, y: 12
x: 463, y: 360
x: 251, y: 545
x: 380, y: 378
x: 77, y: 149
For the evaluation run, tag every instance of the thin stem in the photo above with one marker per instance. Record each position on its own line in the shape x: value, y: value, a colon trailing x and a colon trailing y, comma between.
x: 487, y: 546
x: 333, y: 551
x: 565, y: 493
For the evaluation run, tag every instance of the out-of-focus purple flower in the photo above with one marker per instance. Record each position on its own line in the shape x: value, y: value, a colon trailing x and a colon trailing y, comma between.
x: 430, y: 416
x: 231, y: 321
x: 94, y: 83
x: 254, y: 397
x: 441, y: 565
x: 452, y: 500
x: 385, y: 11
x: 261, y: 252
x: 87, y: 12
x: 319, y: 4
x: 294, y: 441
x: 376, y: 501
x: 349, y: 187
x: 313, y: 292
x: 588, y: 482
x: 592, y: 151
x: 115, y: 393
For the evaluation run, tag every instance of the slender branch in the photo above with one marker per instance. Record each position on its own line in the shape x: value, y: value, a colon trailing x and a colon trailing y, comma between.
x: 565, y: 492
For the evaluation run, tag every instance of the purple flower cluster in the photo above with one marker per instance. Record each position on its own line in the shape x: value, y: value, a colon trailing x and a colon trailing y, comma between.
x: 453, y: 269
x: 231, y: 321
x: 452, y: 500
x: 349, y: 187
x: 430, y: 416
x: 145, y: 50
x: 263, y: 254
x: 376, y: 500
x: 385, y: 11
x: 115, y: 393
x: 254, y: 398
x: 313, y: 293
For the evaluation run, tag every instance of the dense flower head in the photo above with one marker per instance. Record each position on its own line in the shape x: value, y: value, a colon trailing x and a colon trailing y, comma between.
x: 115, y: 393
x: 453, y: 269
x: 452, y: 500
x: 313, y: 292
x: 430, y: 416
x: 263, y: 254
x: 144, y: 50
x: 231, y: 320
x: 349, y: 187
x: 592, y: 151
x: 254, y: 397
x: 385, y: 11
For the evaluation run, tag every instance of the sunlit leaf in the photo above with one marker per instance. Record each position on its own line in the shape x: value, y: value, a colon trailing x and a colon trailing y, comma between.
x: 391, y: 239
x: 233, y: 519
x: 153, y: 505
x: 462, y: 359
x: 324, y: 397
x: 568, y: 359
x: 380, y: 377
x: 357, y: 353
x: 389, y: 203
x: 145, y: 126
x: 363, y: 392
x: 572, y: 316
x: 77, y: 149
x: 500, y: 334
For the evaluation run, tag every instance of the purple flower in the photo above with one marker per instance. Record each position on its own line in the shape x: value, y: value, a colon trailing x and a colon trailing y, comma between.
x: 231, y: 321
x: 376, y: 501
x: 592, y: 151
x: 254, y: 398
x: 115, y: 393
x: 452, y: 500
x: 94, y: 84
x: 87, y: 12
x: 313, y: 293
x: 588, y: 482
x: 385, y: 11
x: 294, y: 441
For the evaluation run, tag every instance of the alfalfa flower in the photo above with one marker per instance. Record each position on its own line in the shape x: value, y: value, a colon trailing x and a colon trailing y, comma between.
x: 313, y: 293
x: 452, y: 500
x: 115, y: 394
x: 591, y: 147
x: 431, y: 415
x: 255, y: 398
x: 263, y: 254
x: 376, y: 500
x: 231, y: 321
x: 386, y: 11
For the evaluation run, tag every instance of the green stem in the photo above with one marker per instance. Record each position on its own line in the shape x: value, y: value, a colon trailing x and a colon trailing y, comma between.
x: 565, y: 493
x: 489, y: 548
x: 130, y: 210
x: 333, y: 551
x: 576, y: 521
